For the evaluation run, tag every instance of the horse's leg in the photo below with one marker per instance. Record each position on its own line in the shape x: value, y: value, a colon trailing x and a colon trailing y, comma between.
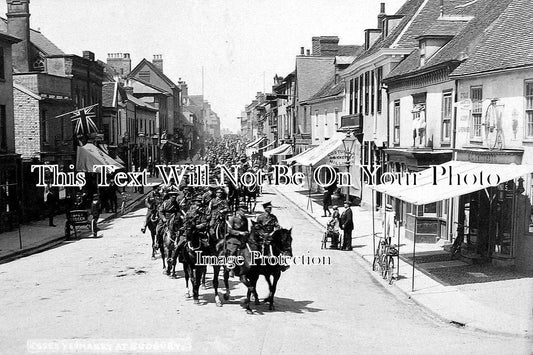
x: 187, y: 271
x: 226, y: 284
x: 269, y: 282
x: 174, y: 260
x: 249, y: 285
x: 276, y: 275
x: 198, y: 271
x: 216, y: 271
x: 152, y: 233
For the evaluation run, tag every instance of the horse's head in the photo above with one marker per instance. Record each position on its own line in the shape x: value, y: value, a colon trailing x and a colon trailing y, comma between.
x: 282, y: 239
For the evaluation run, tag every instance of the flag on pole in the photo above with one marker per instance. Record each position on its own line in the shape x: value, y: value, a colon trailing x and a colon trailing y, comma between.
x: 84, y: 120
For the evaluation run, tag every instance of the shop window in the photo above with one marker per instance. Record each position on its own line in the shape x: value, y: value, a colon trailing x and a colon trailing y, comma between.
x: 336, y: 118
x: 476, y: 94
x: 379, y: 78
x: 529, y: 108
x: 446, y: 117
x: 397, y: 122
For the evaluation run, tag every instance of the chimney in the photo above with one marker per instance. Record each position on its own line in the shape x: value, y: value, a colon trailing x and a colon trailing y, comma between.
x: 158, y: 61
x: 308, y: 52
x: 302, y: 51
x: 120, y: 62
x: 316, y: 46
x: 18, y: 25
x: 382, y: 15
x: 88, y: 55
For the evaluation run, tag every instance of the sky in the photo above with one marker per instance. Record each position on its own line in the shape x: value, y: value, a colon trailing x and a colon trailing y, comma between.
x: 240, y: 44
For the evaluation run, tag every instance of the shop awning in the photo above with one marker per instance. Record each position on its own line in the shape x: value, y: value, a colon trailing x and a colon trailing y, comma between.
x: 298, y: 156
x: 284, y: 149
x: 268, y: 145
x: 89, y: 155
x: 255, y: 143
x: 434, y: 184
x: 315, y: 155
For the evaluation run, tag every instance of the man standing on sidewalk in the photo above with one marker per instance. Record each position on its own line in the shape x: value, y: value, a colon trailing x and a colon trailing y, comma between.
x: 347, y: 226
x: 51, y: 203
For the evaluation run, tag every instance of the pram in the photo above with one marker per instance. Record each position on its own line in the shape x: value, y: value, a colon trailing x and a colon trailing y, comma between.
x: 331, y: 235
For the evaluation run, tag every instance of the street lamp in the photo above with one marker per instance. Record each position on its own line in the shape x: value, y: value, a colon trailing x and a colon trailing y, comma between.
x: 348, y: 142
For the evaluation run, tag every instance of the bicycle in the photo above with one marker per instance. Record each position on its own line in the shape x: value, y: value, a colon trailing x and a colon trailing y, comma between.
x: 459, y: 239
x: 377, y: 263
x: 390, y: 266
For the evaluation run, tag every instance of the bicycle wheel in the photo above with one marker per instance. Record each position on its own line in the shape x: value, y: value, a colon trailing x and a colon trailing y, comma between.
x: 390, y: 269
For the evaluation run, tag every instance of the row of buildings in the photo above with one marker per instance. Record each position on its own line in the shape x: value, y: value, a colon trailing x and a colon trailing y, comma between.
x: 439, y: 82
x: 140, y: 115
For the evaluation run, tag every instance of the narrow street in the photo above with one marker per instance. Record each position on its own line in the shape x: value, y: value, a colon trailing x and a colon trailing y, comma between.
x: 109, y: 288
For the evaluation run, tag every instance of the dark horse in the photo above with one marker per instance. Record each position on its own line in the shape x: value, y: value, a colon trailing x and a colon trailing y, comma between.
x: 169, y: 244
x: 153, y: 219
x: 195, y: 247
x: 233, y: 197
x: 279, y: 243
x: 249, y: 194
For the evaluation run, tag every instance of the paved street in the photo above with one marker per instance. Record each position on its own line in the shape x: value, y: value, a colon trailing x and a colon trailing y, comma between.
x: 109, y: 288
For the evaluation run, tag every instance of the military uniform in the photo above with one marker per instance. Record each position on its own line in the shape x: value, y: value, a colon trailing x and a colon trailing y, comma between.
x: 217, y: 207
x: 151, y: 202
x: 166, y: 210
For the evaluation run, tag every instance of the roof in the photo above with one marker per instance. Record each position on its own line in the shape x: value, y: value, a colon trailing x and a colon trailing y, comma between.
x: 349, y: 50
x: 142, y: 87
x: 109, y: 94
x: 141, y: 103
x: 10, y: 39
x: 329, y: 90
x: 37, y: 39
x: 26, y: 91
x: 507, y: 43
x: 155, y: 69
x: 467, y: 36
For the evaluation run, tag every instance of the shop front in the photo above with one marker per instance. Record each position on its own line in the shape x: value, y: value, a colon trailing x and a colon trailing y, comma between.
x: 490, y: 211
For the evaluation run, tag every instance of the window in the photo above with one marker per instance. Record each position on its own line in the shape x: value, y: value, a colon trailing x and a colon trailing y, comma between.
x: 144, y: 75
x: 422, y: 53
x: 367, y: 97
x: 396, y: 122
x: 361, y: 94
x: 356, y: 96
x: 372, y: 92
x: 2, y: 65
x: 351, y: 87
x: 529, y: 108
x: 446, y: 117
x: 379, y: 78
x: 3, y: 128
x: 476, y: 94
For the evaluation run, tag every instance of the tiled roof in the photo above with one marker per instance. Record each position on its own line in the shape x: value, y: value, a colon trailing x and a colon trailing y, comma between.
x: 37, y: 39
x: 508, y: 43
x: 466, y: 40
x: 350, y: 50
x: 108, y: 94
x: 140, y: 102
x: 155, y: 69
x: 408, y: 10
x: 445, y: 28
x: 329, y: 90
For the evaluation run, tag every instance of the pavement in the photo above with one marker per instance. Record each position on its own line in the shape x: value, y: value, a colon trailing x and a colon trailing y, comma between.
x: 38, y: 235
x: 467, y: 298
x: 109, y: 291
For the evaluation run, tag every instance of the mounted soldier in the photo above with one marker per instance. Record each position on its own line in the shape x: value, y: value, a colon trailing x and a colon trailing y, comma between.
x: 168, y: 209
x: 266, y: 223
x: 217, y: 208
x: 151, y: 202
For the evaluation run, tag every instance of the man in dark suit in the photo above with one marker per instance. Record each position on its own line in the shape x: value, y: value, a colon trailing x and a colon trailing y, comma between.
x: 347, y: 226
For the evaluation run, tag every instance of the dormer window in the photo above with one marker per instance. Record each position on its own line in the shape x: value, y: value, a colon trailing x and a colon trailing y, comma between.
x: 422, y: 53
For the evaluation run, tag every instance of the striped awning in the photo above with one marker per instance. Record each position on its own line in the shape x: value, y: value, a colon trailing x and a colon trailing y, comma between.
x: 284, y: 149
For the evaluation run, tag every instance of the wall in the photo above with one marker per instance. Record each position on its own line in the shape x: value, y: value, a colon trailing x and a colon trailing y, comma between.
x: 325, y: 126
x: 27, y: 129
x: 6, y: 96
x: 433, y: 114
x: 509, y: 88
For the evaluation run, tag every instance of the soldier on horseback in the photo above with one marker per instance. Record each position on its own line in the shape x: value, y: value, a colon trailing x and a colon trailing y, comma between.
x: 168, y: 209
x: 151, y: 202
x: 217, y: 208
x: 267, y: 221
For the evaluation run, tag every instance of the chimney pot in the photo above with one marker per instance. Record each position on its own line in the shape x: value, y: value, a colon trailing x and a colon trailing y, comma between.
x: 302, y: 52
x: 382, y: 8
x: 308, y: 52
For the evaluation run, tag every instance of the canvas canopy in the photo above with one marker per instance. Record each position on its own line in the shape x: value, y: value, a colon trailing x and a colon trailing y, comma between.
x: 284, y: 149
x: 90, y: 155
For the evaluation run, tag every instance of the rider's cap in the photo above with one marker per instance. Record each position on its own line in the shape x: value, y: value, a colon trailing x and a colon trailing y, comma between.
x: 335, y: 207
x: 267, y: 204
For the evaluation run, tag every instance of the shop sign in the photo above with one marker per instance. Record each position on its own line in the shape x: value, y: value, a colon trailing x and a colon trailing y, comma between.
x: 338, y: 158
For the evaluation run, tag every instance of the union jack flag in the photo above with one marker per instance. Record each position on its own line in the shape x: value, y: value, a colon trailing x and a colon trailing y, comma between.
x: 84, y: 120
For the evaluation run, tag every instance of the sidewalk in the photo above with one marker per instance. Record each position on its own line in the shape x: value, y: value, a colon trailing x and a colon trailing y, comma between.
x: 38, y: 235
x: 456, y: 292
